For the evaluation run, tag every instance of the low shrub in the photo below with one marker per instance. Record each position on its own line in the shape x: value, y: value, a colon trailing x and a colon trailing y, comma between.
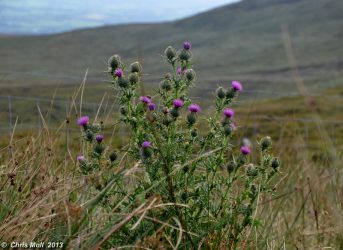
x: 180, y: 182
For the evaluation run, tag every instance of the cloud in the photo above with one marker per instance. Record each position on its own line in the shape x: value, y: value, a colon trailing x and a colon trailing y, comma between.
x: 95, y: 17
x: 28, y: 16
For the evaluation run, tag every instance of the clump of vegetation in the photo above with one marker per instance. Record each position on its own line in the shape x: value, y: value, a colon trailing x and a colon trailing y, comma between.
x: 180, y: 182
x: 192, y: 188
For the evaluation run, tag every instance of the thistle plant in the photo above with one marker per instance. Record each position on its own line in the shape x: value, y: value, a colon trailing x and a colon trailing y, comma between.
x: 208, y: 189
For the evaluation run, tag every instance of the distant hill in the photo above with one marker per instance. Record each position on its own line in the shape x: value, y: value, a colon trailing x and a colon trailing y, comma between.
x: 238, y: 41
x: 30, y: 17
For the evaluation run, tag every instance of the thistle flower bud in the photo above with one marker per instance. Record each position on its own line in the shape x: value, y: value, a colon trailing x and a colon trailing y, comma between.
x: 241, y: 160
x: 146, y: 151
x: 226, y: 121
x: 190, y: 74
x: 251, y: 170
x: 113, y: 156
x: 231, y: 167
x: 230, y: 94
x: 133, y: 78
x: 174, y: 112
x: 165, y: 110
x: 167, y: 121
x: 221, y: 93
x: 123, y: 110
x: 191, y: 118
x: 170, y: 53
x: 185, y: 55
x: 135, y: 67
x: 123, y: 82
x: 275, y: 163
x: 194, y: 133
x: 166, y: 85
x: 227, y: 130
x: 168, y: 76
x: 89, y: 135
x: 114, y: 62
x: 99, y: 148
x: 265, y: 143
x: 95, y: 127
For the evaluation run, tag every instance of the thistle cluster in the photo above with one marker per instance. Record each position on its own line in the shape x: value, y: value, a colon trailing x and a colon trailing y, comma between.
x: 182, y: 163
x: 91, y: 134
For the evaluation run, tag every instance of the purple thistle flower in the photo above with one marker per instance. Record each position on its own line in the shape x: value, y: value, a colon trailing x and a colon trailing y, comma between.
x: 178, y: 103
x: 99, y: 138
x: 179, y: 71
x: 80, y: 158
x: 237, y: 86
x: 83, y: 121
x: 245, y: 150
x: 229, y: 112
x: 187, y: 45
x: 145, y: 99
x: 194, y: 108
x: 146, y: 144
x: 118, y: 72
x: 152, y: 106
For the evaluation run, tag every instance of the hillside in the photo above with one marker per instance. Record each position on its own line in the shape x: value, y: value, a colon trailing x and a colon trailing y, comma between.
x: 241, y: 40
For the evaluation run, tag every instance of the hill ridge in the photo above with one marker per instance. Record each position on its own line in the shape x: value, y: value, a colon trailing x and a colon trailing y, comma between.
x: 239, y: 39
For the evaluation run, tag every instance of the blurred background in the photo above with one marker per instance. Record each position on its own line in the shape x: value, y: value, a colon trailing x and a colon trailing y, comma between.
x: 287, y: 54
x: 278, y: 49
x: 47, y: 46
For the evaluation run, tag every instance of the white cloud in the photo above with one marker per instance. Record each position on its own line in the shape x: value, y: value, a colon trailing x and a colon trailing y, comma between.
x: 25, y: 13
x: 95, y: 17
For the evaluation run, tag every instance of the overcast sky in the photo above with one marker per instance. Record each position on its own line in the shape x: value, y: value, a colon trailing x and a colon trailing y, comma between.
x: 49, y: 16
